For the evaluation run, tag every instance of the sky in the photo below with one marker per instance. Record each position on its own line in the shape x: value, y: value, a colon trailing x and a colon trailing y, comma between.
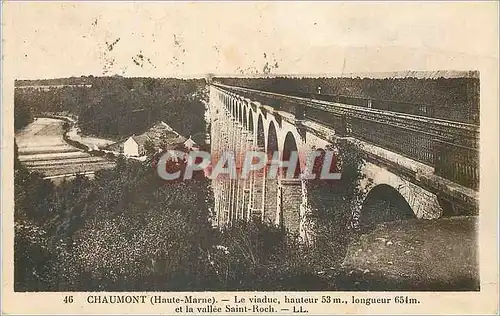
x: 168, y: 39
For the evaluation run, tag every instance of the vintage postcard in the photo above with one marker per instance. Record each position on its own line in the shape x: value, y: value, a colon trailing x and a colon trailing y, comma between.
x: 249, y: 158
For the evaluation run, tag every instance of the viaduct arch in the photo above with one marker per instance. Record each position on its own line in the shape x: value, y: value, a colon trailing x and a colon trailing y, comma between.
x: 241, y: 124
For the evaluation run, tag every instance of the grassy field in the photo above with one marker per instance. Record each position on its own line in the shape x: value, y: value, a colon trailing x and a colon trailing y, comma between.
x: 42, y: 148
x: 52, y: 156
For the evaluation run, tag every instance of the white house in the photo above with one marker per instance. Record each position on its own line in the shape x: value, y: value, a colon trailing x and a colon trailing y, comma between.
x: 134, y: 145
x: 160, y: 136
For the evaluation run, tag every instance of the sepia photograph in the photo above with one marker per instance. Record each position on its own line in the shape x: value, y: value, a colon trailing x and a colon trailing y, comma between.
x: 253, y: 147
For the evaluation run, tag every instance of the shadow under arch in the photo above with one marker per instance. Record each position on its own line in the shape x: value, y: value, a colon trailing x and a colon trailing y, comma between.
x: 290, y: 149
x: 258, y: 176
x: 245, y: 123
x: 237, y: 115
x: 260, y: 133
x: 271, y: 187
x: 250, y: 120
x: 272, y: 140
x: 384, y: 204
x: 241, y: 106
x: 290, y: 188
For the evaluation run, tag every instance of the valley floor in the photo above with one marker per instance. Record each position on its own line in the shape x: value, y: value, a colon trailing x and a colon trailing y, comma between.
x: 417, y: 255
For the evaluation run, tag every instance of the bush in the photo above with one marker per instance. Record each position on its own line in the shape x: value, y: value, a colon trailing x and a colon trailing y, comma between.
x: 257, y: 256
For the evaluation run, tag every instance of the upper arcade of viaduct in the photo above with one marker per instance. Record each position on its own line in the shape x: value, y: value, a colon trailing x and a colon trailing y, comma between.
x: 429, y: 165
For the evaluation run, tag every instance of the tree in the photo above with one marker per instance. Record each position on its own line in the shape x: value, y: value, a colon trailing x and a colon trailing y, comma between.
x: 22, y: 114
x: 331, y: 206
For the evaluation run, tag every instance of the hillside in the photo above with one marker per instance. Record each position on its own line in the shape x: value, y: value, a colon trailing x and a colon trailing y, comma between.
x: 113, y: 107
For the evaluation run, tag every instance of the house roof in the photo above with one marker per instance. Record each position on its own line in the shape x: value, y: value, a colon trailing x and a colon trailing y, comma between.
x: 190, y: 143
x: 140, y: 139
x: 177, y: 140
x: 160, y: 134
x: 161, y: 130
x: 118, y: 146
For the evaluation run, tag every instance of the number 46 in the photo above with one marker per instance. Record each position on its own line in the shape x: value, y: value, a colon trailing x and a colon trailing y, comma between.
x: 68, y: 299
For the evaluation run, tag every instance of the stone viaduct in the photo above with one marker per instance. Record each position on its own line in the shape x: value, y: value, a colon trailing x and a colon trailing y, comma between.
x: 427, y: 167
